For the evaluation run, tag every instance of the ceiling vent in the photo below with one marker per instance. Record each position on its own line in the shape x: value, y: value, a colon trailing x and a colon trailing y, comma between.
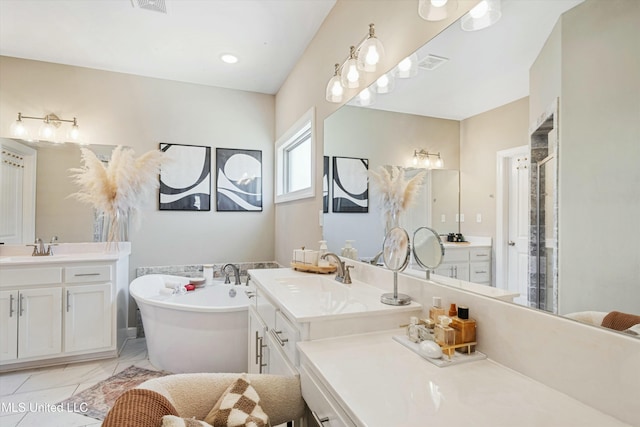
x: 431, y: 62
x: 155, y: 5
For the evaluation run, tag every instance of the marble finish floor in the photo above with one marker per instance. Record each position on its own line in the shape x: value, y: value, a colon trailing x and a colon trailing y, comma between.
x: 41, y: 388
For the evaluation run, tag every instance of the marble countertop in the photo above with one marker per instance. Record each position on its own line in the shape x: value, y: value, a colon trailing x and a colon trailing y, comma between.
x: 380, y: 383
x: 306, y: 297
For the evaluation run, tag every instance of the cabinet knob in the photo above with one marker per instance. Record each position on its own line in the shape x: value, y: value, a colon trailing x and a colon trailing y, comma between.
x: 319, y: 421
x: 511, y: 243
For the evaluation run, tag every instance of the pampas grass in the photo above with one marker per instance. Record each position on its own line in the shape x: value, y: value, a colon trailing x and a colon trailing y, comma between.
x: 118, y: 189
x: 396, y: 194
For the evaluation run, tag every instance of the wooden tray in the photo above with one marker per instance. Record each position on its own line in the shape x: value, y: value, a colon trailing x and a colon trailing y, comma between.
x: 313, y: 268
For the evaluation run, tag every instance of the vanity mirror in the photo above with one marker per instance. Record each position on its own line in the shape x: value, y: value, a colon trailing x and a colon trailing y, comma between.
x: 473, y: 113
x: 428, y: 249
x: 55, y: 213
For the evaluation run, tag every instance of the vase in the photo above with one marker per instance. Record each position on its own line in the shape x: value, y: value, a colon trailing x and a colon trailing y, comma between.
x: 115, y: 227
x: 392, y: 220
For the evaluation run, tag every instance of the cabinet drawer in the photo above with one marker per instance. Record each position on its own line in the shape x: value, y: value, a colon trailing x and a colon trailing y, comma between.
x: 31, y: 276
x: 480, y: 272
x: 266, y: 310
x: 89, y: 273
x: 320, y: 402
x: 455, y: 254
x: 276, y: 360
x: 480, y: 254
x: 287, y: 336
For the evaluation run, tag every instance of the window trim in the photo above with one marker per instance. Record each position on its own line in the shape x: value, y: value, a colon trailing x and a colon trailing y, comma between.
x: 290, y: 139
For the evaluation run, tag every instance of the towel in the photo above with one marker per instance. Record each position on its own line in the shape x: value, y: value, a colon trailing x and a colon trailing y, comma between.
x: 620, y: 321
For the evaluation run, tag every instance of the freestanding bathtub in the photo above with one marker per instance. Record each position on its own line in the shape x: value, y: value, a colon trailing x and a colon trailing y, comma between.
x: 204, y: 330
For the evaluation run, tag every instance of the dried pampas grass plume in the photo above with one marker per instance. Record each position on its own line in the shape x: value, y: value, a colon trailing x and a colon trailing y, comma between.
x: 395, y: 193
x: 120, y: 187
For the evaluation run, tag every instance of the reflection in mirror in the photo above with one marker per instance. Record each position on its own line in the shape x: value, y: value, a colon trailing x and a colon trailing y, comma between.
x: 471, y: 109
x: 428, y: 249
x: 396, y: 253
x: 57, y: 214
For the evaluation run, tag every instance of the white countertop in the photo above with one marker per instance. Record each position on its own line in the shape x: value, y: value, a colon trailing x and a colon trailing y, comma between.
x: 380, y: 383
x: 306, y: 297
x: 16, y: 255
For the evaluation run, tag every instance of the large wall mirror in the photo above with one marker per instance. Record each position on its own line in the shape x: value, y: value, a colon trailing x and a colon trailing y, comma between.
x: 479, y: 109
x: 56, y: 213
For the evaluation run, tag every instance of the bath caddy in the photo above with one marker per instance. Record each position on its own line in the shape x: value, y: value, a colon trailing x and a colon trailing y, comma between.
x: 313, y: 268
x: 450, y: 356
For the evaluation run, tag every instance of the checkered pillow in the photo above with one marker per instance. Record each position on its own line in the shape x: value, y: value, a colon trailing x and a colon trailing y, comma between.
x: 173, y: 421
x: 239, y: 406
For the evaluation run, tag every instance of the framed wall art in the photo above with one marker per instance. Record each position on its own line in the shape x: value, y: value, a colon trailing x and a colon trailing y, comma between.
x: 185, y: 178
x: 325, y: 185
x: 238, y: 180
x: 350, y: 185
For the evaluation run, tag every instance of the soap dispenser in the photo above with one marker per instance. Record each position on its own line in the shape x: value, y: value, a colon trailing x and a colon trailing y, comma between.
x: 321, y: 251
x: 436, y: 309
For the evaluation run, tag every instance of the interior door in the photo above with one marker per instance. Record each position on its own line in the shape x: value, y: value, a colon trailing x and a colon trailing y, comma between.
x: 518, y: 228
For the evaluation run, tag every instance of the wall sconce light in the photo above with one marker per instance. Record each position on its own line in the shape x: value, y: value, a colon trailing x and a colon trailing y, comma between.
x: 366, y: 97
x: 436, y: 10
x: 385, y: 83
x: 365, y: 57
x: 423, y: 158
x: 48, y: 130
x: 483, y: 15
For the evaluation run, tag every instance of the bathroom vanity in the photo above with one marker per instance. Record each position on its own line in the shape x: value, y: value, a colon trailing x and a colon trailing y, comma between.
x: 288, y: 307
x: 468, y: 261
x: 67, y: 307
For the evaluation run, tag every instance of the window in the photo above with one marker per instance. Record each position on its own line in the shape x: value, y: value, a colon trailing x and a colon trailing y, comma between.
x: 295, y: 161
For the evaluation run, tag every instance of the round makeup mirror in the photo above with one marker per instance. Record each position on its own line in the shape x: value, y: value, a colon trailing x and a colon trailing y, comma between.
x: 395, y: 253
x: 428, y: 249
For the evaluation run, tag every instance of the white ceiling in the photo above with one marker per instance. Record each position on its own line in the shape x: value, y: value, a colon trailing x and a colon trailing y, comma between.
x: 184, y: 44
x: 486, y: 68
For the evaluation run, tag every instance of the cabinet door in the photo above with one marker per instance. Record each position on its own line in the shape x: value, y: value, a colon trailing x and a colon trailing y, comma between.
x: 256, y: 343
x: 8, y: 325
x: 39, y: 322
x: 278, y: 363
x: 88, y: 317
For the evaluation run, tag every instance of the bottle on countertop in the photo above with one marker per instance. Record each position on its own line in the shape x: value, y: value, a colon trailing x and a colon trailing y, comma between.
x: 465, y: 329
x: 436, y: 309
x: 321, y: 251
x: 349, y: 251
x: 444, y: 334
x: 412, y: 329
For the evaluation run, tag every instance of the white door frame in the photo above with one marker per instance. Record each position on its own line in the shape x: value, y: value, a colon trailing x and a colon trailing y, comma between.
x: 502, y: 212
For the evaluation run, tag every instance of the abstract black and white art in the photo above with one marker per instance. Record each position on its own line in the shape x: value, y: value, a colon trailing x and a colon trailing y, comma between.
x: 238, y: 180
x: 185, y: 178
x: 325, y: 185
x: 350, y: 185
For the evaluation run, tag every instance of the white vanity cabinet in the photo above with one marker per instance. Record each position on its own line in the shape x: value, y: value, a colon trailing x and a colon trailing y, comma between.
x: 60, y: 312
x: 471, y: 263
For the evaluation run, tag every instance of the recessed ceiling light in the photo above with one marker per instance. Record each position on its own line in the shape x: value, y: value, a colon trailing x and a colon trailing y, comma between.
x: 229, y: 58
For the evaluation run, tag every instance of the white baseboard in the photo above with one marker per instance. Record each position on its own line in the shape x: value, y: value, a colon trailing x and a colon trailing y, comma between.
x: 132, y: 332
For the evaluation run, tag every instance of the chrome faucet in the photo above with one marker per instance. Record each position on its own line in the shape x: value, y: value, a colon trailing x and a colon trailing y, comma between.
x: 376, y: 258
x: 236, y: 272
x: 343, y: 274
x: 39, y: 249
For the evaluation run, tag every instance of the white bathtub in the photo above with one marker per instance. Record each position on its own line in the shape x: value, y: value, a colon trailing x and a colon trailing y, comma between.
x: 204, y: 330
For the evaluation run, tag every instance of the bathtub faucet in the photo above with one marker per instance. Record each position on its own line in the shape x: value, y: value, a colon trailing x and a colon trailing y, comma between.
x: 236, y: 272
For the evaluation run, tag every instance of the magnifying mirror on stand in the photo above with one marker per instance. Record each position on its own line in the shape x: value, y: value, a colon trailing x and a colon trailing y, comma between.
x: 428, y: 249
x: 396, y: 252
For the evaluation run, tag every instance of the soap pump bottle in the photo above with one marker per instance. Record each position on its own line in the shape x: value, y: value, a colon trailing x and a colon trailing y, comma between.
x: 321, y: 251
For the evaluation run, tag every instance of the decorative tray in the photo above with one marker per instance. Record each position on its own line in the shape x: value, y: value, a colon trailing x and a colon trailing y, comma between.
x: 455, y: 358
x: 313, y: 268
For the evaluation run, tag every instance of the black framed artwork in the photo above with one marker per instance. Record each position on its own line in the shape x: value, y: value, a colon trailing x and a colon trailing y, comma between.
x: 350, y: 185
x: 185, y: 178
x: 238, y: 180
x: 325, y: 185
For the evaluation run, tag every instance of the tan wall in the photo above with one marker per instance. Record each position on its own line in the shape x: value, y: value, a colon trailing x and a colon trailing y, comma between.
x: 401, y: 31
x: 481, y: 137
x: 140, y: 112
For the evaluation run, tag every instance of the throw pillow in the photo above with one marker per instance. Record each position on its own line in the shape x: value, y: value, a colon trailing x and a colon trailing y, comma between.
x: 238, y: 406
x: 173, y: 421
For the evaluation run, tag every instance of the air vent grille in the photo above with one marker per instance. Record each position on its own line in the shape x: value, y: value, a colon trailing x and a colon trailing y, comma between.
x: 155, y: 5
x: 431, y: 62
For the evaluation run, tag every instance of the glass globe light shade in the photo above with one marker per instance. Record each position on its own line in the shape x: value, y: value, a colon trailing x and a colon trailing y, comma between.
x: 350, y: 77
x: 439, y: 162
x: 408, y: 67
x: 385, y: 83
x: 436, y: 10
x: 74, y: 133
x: 19, y: 130
x: 483, y: 15
x: 47, y: 132
x: 335, y: 91
x: 370, y: 54
x: 366, y: 97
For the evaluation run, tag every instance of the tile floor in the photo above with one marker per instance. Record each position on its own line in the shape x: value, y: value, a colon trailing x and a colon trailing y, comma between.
x: 46, y: 386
